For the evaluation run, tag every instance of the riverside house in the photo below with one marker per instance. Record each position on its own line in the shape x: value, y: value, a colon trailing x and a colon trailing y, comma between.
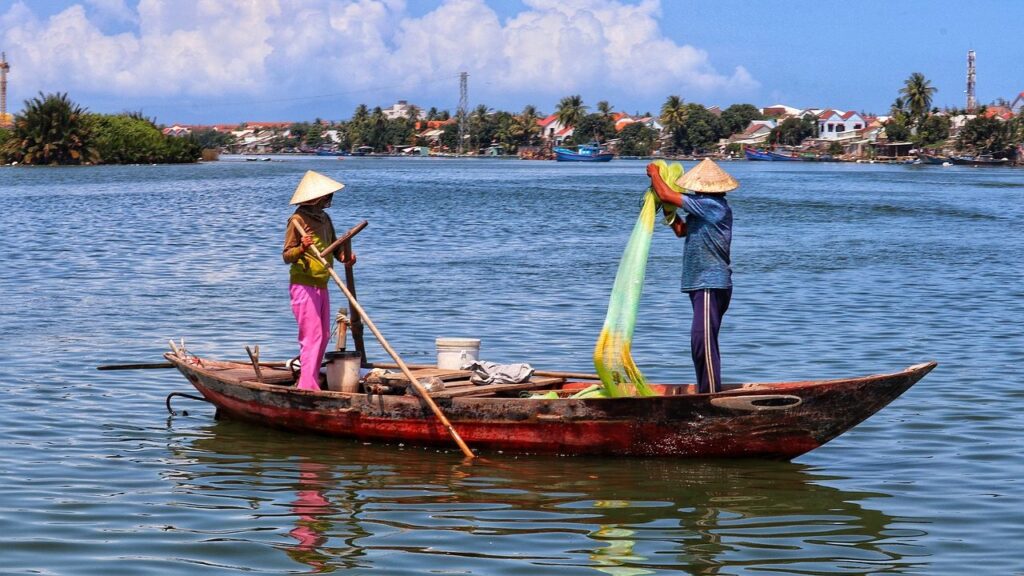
x: 839, y: 125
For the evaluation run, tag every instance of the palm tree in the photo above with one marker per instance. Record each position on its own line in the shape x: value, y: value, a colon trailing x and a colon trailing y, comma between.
x: 52, y: 130
x: 525, y: 126
x: 673, y: 117
x: 570, y: 110
x: 432, y: 114
x: 361, y: 113
x: 918, y: 92
x: 479, y: 126
x: 604, y: 108
x: 673, y: 113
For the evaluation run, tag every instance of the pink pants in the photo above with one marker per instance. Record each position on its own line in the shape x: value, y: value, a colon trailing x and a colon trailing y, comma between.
x: 312, y: 309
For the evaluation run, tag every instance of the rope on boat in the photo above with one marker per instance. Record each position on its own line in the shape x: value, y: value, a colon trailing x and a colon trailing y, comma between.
x: 167, y: 401
x: 340, y: 318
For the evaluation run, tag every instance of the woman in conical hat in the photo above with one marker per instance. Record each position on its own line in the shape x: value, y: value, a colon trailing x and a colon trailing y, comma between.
x: 310, y: 301
x: 707, y: 272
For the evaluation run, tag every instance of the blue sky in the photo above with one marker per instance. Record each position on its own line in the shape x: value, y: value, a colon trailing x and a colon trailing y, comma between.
x: 192, y: 61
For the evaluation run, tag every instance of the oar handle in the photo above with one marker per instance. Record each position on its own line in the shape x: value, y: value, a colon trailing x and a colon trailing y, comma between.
x: 391, y: 352
x: 344, y: 237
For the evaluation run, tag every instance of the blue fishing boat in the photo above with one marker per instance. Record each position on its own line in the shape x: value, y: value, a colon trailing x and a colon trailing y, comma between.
x: 592, y: 152
x: 754, y: 154
x: 785, y: 156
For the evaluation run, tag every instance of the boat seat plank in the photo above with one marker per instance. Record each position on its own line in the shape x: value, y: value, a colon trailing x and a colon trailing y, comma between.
x: 465, y: 391
x: 247, y: 374
x: 399, y: 379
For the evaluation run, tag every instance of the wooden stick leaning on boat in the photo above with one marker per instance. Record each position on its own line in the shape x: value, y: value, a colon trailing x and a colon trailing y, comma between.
x: 424, y: 395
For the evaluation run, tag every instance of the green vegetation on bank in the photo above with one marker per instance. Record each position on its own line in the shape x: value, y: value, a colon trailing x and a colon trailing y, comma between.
x: 53, y: 130
x: 912, y: 118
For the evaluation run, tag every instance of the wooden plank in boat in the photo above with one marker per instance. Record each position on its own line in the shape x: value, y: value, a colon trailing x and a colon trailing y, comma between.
x: 270, y: 375
x: 464, y: 391
x: 399, y: 379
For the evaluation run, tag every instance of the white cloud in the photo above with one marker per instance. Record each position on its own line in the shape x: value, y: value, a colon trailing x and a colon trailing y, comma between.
x: 281, y: 48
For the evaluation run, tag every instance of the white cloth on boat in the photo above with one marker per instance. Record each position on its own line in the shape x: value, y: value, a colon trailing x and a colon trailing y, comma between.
x: 493, y: 373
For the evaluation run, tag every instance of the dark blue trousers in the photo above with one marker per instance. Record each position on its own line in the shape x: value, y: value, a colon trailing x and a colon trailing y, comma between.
x: 709, y: 305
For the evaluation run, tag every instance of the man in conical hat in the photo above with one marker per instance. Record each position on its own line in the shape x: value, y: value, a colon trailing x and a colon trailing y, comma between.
x: 310, y: 301
x: 707, y: 275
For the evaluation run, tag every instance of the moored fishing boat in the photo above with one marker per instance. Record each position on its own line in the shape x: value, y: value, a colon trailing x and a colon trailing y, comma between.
x: 755, y: 154
x: 982, y: 160
x: 783, y: 156
x: 329, y: 152
x: 932, y: 158
x: 779, y: 420
x: 583, y: 153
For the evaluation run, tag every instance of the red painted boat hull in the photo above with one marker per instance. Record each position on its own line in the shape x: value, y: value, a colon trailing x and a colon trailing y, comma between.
x: 772, y: 420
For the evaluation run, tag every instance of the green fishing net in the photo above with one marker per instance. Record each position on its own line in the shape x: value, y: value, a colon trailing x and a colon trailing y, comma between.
x: 613, y: 359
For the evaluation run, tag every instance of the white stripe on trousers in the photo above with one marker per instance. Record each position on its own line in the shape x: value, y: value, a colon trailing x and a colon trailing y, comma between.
x: 712, y: 385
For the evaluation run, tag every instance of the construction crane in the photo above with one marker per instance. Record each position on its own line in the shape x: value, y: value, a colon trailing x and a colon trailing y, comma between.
x: 4, y: 67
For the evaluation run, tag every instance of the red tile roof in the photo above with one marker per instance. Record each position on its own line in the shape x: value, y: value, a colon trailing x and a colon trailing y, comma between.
x: 543, y: 122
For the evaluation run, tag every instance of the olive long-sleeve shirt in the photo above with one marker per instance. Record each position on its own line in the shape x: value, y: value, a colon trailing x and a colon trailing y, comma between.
x: 306, y: 269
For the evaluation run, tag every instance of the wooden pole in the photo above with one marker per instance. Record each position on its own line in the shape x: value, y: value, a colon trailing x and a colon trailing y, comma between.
x: 254, y: 357
x: 391, y: 352
x: 354, y: 319
x: 346, y: 237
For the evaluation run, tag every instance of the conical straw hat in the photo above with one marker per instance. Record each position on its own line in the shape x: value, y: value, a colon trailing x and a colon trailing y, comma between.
x: 708, y: 178
x: 313, y: 186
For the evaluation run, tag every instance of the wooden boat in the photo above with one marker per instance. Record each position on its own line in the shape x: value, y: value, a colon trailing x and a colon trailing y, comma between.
x: 583, y: 153
x: 783, y: 156
x: 932, y: 159
x: 982, y: 160
x: 329, y: 152
x: 754, y: 154
x: 768, y: 420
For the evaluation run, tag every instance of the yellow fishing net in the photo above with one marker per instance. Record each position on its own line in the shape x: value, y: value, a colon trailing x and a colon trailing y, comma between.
x: 619, y: 374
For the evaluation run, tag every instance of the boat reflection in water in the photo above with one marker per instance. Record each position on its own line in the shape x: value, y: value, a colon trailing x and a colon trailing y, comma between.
x: 340, y: 505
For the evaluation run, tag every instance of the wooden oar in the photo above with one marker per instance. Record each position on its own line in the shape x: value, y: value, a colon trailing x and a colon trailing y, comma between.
x: 140, y: 366
x: 394, y: 355
x: 161, y: 365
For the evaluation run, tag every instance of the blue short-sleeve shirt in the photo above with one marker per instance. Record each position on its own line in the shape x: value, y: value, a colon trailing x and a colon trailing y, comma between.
x: 708, y: 239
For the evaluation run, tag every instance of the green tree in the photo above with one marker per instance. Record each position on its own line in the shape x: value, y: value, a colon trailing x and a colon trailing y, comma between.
x: 700, y: 130
x: 593, y: 127
x: 918, y: 92
x: 896, y: 129
x: 524, y: 127
x: 51, y: 130
x: 570, y: 110
x: 481, y: 127
x: 604, y: 108
x: 637, y: 139
x: 934, y: 130
x: 737, y: 117
x: 793, y: 131
x: 987, y: 136
x: 210, y: 138
x: 132, y: 139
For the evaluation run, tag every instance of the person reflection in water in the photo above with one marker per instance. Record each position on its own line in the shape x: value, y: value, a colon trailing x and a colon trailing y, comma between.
x: 313, y: 512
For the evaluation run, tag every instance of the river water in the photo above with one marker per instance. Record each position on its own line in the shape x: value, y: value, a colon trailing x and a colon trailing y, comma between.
x: 839, y: 270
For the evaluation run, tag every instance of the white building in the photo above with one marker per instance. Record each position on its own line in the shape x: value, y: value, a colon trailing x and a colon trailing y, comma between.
x: 756, y: 133
x: 552, y: 130
x: 781, y: 111
x: 839, y: 125
x: 402, y: 109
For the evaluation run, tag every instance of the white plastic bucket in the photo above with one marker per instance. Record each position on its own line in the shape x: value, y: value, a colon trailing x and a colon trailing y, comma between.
x: 454, y: 353
x: 343, y: 371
